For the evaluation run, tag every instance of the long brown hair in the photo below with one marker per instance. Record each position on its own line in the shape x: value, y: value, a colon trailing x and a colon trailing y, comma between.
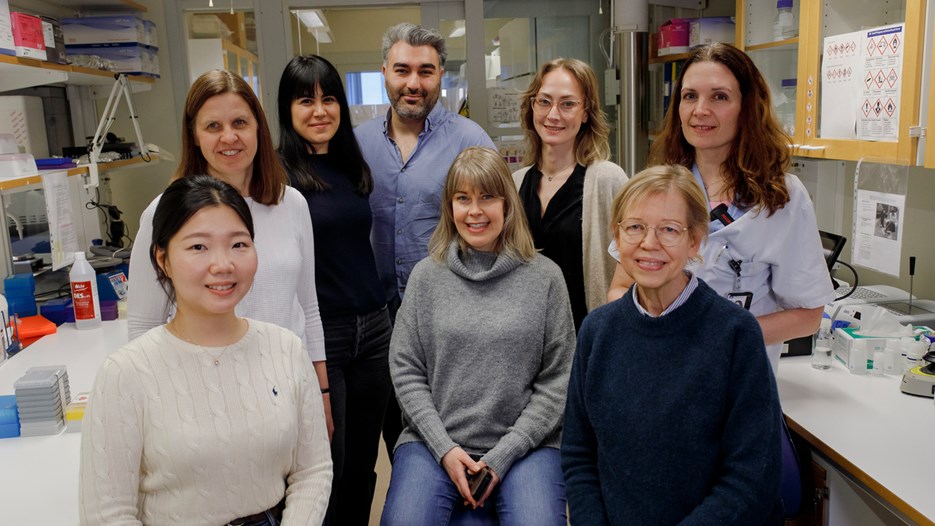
x: 759, y: 155
x: 268, y: 181
x: 591, y: 143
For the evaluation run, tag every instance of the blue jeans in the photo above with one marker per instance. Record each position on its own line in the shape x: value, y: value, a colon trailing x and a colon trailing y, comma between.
x: 357, y: 350
x: 533, y: 492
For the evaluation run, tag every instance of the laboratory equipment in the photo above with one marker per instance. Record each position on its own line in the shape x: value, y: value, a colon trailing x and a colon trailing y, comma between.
x: 920, y: 380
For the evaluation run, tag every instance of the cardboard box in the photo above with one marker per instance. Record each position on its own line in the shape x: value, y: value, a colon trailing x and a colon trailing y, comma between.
x: 103, y: 30
x: 845, y: 338
x: 710, y: 30
x: 54, y: 40
x: 673, y: 36
x: 27, y: 36
x: 7, y: 47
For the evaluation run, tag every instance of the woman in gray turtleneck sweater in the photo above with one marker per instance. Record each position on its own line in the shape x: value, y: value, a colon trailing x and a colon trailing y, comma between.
x: 480, y: 358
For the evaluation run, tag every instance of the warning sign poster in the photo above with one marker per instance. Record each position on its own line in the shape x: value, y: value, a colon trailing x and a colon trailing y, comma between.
x: 861, y: 75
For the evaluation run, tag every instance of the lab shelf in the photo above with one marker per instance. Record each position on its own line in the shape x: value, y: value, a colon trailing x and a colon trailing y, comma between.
x: 10, y: 184
x: 18, y: 72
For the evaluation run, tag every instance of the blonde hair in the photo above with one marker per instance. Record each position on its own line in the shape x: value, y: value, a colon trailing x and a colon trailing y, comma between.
x: 657, y: 180
x: 591, y: 143
x: 483, y: 169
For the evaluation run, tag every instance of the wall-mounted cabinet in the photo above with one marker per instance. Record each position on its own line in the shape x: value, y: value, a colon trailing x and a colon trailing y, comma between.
x: 801, y: 58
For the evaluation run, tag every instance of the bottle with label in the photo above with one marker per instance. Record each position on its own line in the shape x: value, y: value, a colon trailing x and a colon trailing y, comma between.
x: 821, y: 354
x: 785, y: 26
x: 84, y: 296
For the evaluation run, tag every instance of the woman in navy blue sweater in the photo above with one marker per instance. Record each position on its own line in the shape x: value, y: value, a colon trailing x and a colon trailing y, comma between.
x: 324, y: 162
x: 672, y: 414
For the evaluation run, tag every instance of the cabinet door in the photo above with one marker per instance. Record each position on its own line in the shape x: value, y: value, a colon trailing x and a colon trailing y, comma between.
x: 778, y: 58
x: 838, y: 138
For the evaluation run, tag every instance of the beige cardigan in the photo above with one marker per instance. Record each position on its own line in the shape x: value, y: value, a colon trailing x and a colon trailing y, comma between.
x: 602, y: 180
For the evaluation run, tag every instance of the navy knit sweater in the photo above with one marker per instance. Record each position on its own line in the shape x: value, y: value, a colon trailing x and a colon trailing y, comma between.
x: 671, y: 420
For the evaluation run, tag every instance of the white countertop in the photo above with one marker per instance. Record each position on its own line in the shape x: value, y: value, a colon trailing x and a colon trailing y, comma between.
x: 868, y: 426
x: 39, y: 484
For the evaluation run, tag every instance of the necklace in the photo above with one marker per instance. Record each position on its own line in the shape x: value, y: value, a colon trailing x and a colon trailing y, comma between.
x: 707, y: 191
x: 559, y: 172
x: 215, y: 357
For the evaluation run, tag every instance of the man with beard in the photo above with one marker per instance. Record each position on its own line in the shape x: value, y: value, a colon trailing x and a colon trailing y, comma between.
x: 409, y: 151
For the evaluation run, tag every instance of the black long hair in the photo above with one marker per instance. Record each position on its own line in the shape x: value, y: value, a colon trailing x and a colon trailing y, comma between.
x: 298, y: 80
x: 183, y: 199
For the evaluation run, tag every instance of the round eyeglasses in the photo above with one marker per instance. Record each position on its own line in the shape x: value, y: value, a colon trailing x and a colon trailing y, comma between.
x: 543, y: 106
x: 668, y: 234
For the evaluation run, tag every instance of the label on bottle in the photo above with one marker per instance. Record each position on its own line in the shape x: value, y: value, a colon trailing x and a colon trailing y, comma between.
x: 82, y: 297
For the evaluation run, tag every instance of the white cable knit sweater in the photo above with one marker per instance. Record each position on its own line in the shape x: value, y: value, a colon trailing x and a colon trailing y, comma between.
x: 171, y: 438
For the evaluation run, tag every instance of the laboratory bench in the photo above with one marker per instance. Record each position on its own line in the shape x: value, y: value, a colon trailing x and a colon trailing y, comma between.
x: 875, y: 437
x: 862, y: 426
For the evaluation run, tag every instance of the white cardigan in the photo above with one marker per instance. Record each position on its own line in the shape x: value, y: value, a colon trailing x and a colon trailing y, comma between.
x: 602, y: 181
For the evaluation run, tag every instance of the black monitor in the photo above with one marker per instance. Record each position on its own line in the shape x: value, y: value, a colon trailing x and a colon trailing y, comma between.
x: 832, y: 244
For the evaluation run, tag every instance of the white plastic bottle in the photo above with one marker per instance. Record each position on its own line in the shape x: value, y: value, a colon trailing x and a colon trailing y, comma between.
x: 84, y: 296
x: 821, y: 354
x: 857, y: 361
x: 892, y: 359
x: 785, y: 26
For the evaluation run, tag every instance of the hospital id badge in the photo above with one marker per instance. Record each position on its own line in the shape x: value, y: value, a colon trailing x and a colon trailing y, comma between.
x: 743, y: 299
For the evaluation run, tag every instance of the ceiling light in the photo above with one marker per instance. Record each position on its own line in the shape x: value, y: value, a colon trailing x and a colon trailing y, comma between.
x: 323, y: 37
x: 312, y: 18
x: 458, y: 31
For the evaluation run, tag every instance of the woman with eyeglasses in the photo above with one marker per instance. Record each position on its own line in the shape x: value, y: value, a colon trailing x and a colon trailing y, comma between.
x: 672, y: 414
x: 569, y: 183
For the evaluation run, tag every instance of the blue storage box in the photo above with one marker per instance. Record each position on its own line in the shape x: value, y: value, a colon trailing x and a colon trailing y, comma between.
x: 103, y: 29
x: 9, y: 417
x: 132, y: 58
x: 58, y: 311
x: 20, y: 290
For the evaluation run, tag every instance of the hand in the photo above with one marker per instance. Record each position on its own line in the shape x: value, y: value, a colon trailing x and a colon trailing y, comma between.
x: 326, y: 400
x: 493, y: 482
x: 455, y: 462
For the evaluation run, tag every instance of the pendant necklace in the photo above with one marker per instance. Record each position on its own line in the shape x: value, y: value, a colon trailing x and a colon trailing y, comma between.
x: 215, y: 358
x: 556, y: 174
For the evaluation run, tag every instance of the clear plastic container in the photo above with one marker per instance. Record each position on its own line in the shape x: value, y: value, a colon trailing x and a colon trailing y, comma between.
x: 824, y: 342
x: 857, y: 361
x: 785, y: 110
x: 85, y: 299
x: 785, y: 26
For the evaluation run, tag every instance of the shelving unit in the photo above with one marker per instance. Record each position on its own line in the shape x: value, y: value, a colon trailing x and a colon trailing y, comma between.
x: 19, y: 182
x: 18, y: 72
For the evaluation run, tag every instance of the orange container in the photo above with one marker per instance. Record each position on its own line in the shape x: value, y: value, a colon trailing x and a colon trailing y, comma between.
x: 31, y: 328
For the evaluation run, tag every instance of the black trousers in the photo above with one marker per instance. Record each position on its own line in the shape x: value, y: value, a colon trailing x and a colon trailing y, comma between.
x: 356, y: 348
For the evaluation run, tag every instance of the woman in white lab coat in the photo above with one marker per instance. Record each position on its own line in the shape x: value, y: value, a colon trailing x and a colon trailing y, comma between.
x: 765, y: 254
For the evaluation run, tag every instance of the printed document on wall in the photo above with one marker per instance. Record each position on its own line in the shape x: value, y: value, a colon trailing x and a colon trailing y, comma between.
x: 861, y: 77
x: 62, y: 234
x: 878, y: 235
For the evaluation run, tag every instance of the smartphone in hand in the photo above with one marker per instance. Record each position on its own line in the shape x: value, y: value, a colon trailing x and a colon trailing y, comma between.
x: 479, y: 482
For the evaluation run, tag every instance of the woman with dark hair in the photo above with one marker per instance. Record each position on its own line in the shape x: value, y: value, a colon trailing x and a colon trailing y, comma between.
x: 324, y: 162
x: 763, y: 251
x: 480, y: 358
x: 225, y: 135
x: 211, y: 418
x: 569, y: 183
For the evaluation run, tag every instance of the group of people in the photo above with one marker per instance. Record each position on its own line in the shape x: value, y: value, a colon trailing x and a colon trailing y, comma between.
x: 287, y: 307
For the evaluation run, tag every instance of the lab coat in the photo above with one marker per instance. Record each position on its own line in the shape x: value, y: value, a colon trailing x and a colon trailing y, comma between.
x: 782, y: 261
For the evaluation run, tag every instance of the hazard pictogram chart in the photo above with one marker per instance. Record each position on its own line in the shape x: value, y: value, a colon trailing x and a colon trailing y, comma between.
x: 860, y: 84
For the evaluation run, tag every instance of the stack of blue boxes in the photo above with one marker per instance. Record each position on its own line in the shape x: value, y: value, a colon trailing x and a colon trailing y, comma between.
x: 20, y: 292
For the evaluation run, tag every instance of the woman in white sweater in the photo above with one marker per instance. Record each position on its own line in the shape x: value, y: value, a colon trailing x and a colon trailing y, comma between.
x: 569, y: 185
x: 211, y: 418
x: 225, y: 135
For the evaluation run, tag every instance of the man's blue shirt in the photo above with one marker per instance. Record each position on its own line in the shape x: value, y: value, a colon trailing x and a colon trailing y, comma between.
x: 406, y: 197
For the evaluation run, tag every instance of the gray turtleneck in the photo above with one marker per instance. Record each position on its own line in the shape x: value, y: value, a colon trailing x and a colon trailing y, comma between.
x: 481, y: 353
